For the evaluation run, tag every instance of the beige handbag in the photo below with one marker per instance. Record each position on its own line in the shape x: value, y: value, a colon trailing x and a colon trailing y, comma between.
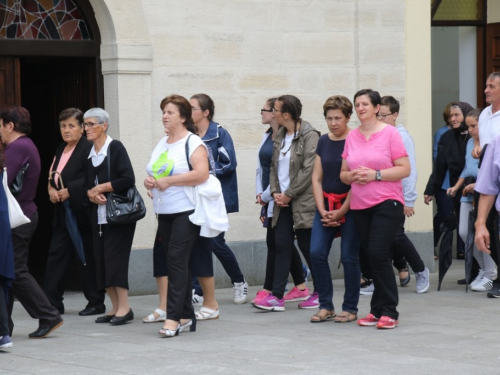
x: 16, y: 215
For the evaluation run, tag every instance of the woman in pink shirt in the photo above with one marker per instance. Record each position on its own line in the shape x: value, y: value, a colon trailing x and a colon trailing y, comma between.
x: 374, y: 162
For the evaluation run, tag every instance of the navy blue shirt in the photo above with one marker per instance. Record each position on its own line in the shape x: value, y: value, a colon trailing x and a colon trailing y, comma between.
x: 265, y: 157
x: 330, y: 153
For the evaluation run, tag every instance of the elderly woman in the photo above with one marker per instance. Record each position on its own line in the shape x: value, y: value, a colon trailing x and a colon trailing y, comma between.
x: 21, y: 153
x: 6, y: 262
x: 112, y: 243
x: 66, y: 183
x: 374, y: 163
x: 180, y: 159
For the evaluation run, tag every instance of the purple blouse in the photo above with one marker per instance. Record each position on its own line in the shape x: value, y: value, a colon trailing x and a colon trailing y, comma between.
x: 17, y: 154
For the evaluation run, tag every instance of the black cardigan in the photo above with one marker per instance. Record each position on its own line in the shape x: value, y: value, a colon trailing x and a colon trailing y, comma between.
x: 72, y: 177
x: 122, y: 173
x: 450, y: 155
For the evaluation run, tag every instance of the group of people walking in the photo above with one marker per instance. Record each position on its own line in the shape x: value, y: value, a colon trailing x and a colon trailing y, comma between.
x: 357, y: 184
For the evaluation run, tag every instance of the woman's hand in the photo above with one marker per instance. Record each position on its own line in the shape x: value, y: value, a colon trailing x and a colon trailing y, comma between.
x: 476, y: 152
x: 149, y: 182
x: 162, y: 184
x: 451, y: 191
x: 100, y: 199
x: 409, y: 211
x: 150, y: 194
x: 63, y: 194
x: 53, y: 196
x: 363, y: 175
x: 281, y: 200
x: 331, y: 218
x: 468, y: 189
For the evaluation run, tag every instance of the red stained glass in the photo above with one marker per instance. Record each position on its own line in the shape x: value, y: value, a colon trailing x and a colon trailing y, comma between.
x: 24, y: 20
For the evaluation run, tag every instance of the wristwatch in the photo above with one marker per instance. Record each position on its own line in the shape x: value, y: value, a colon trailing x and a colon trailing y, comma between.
x: 378, y: 176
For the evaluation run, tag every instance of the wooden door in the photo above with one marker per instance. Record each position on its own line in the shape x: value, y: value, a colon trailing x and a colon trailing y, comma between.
x: 10, y: 81
x: 492, y: 48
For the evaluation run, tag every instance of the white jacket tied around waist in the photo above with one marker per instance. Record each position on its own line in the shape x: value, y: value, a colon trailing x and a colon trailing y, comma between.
x: 210, y: 210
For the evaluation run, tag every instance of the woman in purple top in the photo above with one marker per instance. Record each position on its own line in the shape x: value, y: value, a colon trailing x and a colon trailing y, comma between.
x: 20, y: 151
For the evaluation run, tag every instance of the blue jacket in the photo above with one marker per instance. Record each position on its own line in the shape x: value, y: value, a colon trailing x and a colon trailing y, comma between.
x: 221, y: 145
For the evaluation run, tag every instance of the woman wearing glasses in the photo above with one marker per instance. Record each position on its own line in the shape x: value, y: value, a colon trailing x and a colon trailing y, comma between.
x: 263, y: 197
x: 66, y: 184
x: 112, y: 243
x: 291, y: 189
x: 374, y: 162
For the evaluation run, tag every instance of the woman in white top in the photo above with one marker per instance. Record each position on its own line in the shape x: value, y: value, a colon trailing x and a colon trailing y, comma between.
x: 169, y: 172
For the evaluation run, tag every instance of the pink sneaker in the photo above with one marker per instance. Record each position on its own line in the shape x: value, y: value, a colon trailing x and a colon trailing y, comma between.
x: 311, y: 303
x: 270, y: 303
x: 386, y: 322
x: 368, y: 321
x: 261, y: 294
x: 296, y: 295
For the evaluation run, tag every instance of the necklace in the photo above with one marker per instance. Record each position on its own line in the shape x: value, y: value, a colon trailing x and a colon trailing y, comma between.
x: 283, y: 145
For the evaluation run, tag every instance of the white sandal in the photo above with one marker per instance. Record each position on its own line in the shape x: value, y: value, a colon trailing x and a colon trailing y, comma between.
x: 162, y: 315
x: 207, y: 314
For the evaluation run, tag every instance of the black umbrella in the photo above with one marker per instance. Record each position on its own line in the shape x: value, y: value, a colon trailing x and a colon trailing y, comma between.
x: 448, y: 226
x: 72, y: 226
x: 469, y: 248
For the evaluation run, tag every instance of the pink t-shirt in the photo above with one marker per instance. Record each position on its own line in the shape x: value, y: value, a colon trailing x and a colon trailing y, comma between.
x: 378, y: 153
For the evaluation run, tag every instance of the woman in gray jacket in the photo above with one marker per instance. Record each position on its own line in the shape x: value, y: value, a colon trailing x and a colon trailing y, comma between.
x: 292, y: 164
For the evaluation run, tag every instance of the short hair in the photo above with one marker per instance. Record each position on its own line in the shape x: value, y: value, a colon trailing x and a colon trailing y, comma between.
x: 494, y: 75
x: 391, y: 102
x: 99, y: 114
x: 372, y: 94
x: 205, y: 103
x: 475, y: 113
x: 19, y: 116
x: 72, y: 113
x: 291, y: 105
x: 339, y: 102
x: 184, y: 108
x: 446, y: 112
x: 271, y: 102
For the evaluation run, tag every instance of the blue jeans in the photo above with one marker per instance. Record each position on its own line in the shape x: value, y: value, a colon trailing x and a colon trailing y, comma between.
x: 321, y: 243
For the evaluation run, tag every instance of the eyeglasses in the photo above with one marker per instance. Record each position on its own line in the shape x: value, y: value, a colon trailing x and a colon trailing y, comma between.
x: 90, y: 124
x: 265, y: 110
x: 276, y: 110
x: 379, y: 116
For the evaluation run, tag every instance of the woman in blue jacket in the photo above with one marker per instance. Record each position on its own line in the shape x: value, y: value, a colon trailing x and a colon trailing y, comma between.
x: 221, y: 145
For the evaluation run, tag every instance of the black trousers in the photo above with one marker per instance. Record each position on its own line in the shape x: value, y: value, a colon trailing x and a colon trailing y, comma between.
x: 25, y: 288
x: 61, y: 255
x: 296, y: 265
x: 4, y: 316
x: 178, y: 236
x: 284, y: 240
x: 404, y: 251
x: 377, y: 227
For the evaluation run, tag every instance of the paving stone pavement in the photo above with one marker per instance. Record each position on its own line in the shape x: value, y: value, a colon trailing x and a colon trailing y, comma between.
x: 447, y: 332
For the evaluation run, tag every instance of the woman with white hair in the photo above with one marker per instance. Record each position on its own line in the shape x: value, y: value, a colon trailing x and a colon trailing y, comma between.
x: 112, y: 243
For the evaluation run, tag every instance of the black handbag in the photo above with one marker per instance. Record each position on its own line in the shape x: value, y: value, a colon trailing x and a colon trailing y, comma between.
x: 17, y: 185
x: 126, y: 209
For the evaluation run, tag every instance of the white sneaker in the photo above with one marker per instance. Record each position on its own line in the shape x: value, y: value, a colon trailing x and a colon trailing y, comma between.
x: 240, y: 292
x: 478, y: 278
x: 422, y: 280
x: 483, y: 286
x: 197, y: 300
x: 367, y: 290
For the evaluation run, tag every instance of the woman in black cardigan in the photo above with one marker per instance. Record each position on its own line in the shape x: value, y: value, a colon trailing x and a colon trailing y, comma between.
x: 451, y: 155
x: 66, y: 183
x: 112, y: 243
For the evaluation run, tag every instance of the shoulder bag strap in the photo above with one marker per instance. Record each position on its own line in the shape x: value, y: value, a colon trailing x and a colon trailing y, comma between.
x: 187, y: 152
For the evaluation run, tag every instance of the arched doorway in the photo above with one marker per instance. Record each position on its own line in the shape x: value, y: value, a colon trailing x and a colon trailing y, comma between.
x: 49, y: 60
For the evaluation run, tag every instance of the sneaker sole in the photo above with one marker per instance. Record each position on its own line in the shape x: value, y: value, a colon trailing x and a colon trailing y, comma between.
x: 272, y: 308
x: 6, y: 346
x: 309, y: 307
x: 386, y: 327
x: 425, y: 290
x: 491, y: 295
x: 240, y: 302
x: 367, y: 324
x: 366, y: 293
x: 296, y: 299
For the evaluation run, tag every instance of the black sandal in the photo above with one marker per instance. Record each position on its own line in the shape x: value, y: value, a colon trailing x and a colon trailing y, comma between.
x: 406, y: 280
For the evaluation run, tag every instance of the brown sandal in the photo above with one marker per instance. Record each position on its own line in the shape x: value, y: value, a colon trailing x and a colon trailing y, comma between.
x: 345, y: 317
x: 320, y: 318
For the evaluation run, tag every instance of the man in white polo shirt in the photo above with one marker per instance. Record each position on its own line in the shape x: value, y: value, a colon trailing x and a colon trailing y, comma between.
x: 489, y: 129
